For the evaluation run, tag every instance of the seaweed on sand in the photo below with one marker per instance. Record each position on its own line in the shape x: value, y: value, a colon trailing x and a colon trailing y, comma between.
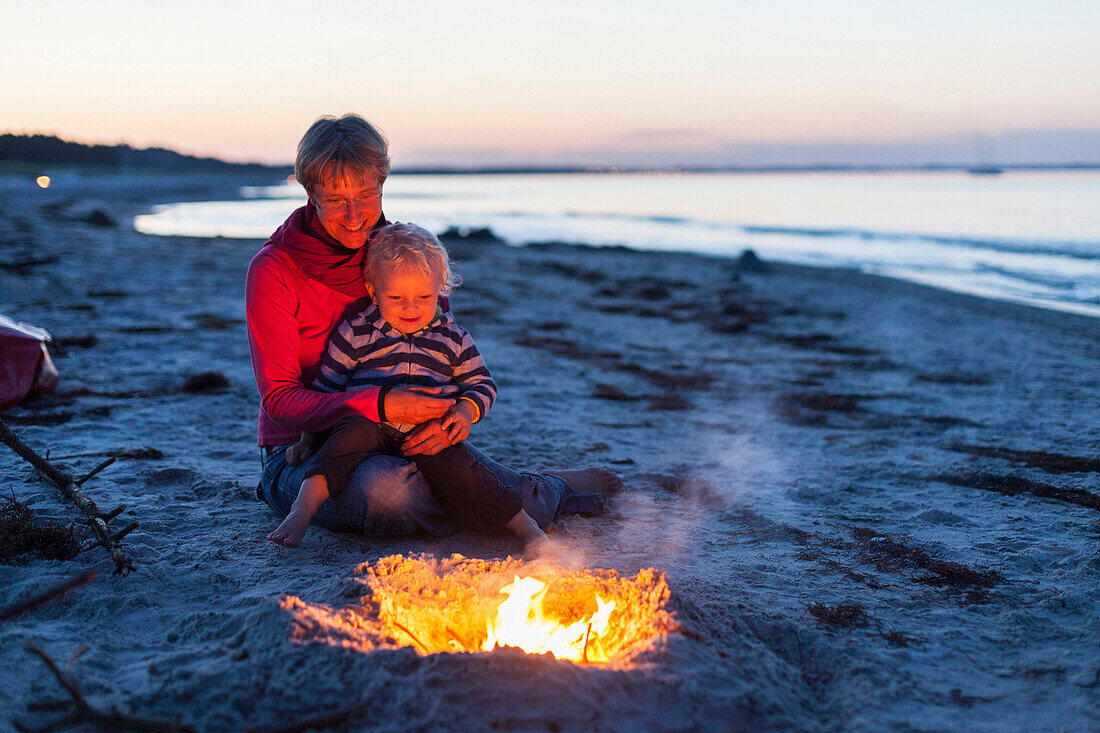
x: 1049, y: 462
x: 890, y: 552
x: 205, y: 382
x: 1013, y: 485
x: 21, y: 535
x: 842, y: 615
x: 812, y: 409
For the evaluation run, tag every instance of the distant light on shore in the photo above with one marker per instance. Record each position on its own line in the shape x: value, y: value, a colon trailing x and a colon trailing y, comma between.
x: 291, y: 180
x: 43, y: 181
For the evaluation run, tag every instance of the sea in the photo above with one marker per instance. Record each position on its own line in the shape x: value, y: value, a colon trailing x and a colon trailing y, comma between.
x: 1024, y: 236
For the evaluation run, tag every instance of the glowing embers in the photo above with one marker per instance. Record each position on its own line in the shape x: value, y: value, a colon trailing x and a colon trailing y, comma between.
x: 467, y: 605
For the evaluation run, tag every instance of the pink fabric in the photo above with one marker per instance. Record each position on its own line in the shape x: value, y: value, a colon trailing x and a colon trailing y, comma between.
x: 20, y: 357
x: 319, y: 256
x: 290, y: 316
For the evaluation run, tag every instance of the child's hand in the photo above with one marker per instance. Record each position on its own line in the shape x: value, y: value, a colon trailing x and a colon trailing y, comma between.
x: 456, y: 423
x: 299, y: 452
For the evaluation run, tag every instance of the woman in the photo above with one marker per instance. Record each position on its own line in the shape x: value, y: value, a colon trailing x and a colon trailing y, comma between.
x: 300, y: 285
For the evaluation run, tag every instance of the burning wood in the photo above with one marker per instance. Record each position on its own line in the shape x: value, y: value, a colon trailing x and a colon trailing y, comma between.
x: 468, y: 605
x: 461, y: 605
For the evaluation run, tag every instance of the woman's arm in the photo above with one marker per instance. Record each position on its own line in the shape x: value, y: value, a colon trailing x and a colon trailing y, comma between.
x: 272, y: 310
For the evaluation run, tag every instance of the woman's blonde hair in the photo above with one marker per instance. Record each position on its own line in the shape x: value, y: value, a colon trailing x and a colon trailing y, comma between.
x: 402, y: 245
x: 342, y: 147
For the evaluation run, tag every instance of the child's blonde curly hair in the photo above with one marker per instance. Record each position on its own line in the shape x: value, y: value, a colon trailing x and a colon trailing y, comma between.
x: 401, y: 245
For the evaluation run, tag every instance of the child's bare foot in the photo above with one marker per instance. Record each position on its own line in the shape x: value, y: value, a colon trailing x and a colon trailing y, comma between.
x: 591, y: 481
x: 527, y: 530
x: 313, y: 493
x: 539, y: 548
x: 292, y: 529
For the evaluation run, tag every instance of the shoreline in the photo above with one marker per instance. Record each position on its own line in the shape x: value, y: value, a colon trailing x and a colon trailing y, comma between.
x: 857, y: 487
x: 954, y: 282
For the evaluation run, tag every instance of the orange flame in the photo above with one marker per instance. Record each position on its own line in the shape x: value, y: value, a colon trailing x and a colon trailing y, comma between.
x: 520, y: 623
x: 453, y: 605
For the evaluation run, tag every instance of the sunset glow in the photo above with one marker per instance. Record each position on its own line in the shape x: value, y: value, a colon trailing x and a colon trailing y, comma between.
x: 489, y: 82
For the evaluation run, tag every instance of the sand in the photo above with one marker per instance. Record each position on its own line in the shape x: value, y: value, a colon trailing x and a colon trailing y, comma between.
x: 857, y: 488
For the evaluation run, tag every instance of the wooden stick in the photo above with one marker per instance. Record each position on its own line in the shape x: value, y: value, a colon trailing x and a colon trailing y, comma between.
x: 62, y: 679
x: 112, y: 514
x: 116, y: 536
x: 85, y: 712
x: 70, y: 490
x: 43, y: 598
x: 125, y: 531
x: 94, y: 471
x: 412, y: 636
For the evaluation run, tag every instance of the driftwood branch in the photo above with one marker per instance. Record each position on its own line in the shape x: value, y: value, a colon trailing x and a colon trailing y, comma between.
x: 80, y: 481
x: 70, y: 488
x: 45, y: 597
x: 114, y: 513
x: 78, y: 710
x: 116, y: 536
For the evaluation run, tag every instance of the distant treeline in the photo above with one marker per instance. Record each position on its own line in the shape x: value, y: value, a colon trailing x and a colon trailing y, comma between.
x: 49, y: 150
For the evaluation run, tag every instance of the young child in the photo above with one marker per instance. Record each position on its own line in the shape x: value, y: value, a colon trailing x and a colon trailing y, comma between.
x: 403, y: 338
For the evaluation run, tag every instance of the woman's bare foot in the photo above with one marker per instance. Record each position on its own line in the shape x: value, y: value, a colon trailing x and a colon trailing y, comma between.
x: 292, y: 529
x: 590, y: 481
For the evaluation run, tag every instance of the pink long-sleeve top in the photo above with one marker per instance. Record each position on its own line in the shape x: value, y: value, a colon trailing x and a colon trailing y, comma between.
x: 299, y: 287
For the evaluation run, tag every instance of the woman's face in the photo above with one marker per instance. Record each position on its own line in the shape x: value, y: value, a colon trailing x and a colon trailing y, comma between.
x: 348, y: 208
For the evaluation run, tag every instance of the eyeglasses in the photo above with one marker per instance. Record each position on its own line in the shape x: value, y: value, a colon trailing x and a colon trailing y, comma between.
x: 337, y: 203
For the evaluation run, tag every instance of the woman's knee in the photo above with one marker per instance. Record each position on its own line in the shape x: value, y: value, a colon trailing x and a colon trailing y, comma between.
x: 388, y: 483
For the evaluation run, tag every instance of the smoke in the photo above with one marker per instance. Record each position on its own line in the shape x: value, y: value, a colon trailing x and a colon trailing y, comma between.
x: 673, y: 504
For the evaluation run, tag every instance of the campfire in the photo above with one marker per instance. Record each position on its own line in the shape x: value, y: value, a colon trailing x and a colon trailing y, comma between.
x: 467, y: 605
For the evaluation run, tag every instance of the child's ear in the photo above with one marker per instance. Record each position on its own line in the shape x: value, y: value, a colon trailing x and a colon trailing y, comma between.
x: 370, y: 289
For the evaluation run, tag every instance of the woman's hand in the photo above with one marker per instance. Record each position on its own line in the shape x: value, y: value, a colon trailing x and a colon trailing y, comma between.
x: 416, y: 404
x: 427, y: 439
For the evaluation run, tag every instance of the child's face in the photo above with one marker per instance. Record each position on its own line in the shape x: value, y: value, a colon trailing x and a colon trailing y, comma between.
x: 406, y: 297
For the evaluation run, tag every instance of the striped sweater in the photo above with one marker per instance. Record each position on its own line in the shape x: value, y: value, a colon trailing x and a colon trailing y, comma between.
x: 366, y: 351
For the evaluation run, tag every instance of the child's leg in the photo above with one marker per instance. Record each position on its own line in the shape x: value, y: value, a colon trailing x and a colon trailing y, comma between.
x: 352, y: 441
x: 313, y: 493
x: 474, y: 497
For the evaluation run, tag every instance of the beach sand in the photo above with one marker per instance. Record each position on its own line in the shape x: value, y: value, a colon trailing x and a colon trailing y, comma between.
x: 857, y: 488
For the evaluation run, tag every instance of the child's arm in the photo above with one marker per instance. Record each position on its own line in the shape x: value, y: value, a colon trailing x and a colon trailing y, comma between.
x: 456, y: 423
x: 477, y: 390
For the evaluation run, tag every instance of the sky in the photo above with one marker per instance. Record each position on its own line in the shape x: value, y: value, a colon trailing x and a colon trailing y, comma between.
x: 598, y: 82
